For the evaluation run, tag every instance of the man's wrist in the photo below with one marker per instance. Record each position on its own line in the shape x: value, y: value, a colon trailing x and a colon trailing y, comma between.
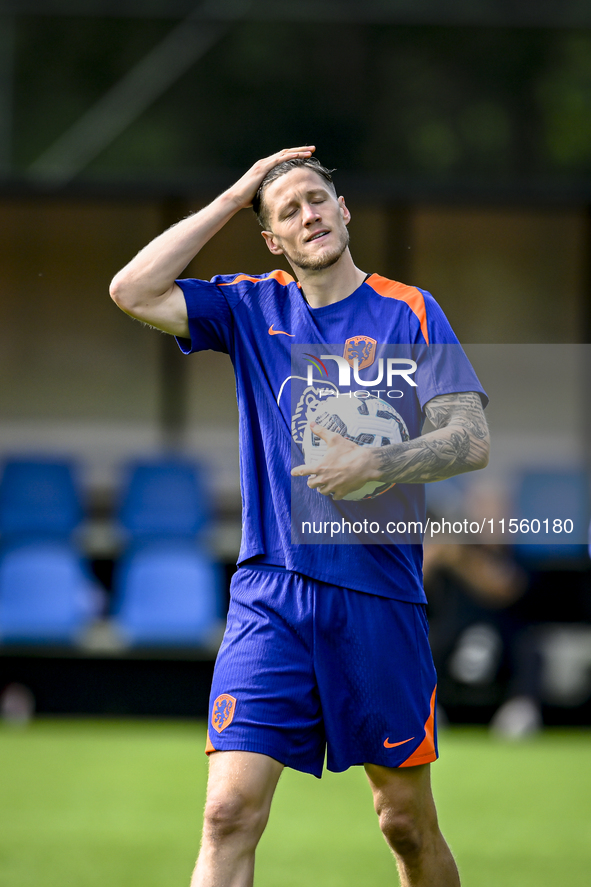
x: 374, y: 462
x: 233, y: 200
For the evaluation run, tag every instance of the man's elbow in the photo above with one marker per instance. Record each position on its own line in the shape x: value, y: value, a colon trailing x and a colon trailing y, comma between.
x: 121, y: 293
x: 131, y: 299
x: 484, y: 460
x: 481, y: 454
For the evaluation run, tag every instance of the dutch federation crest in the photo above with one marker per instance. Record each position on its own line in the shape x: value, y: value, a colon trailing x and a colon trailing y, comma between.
x: 361, y: 348
x: 223, y: 712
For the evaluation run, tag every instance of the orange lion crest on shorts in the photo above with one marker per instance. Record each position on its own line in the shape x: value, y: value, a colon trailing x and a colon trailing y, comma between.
x: 223, y: 712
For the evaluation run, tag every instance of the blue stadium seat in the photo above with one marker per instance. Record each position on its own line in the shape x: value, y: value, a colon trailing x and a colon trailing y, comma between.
x: 38, y: 498
x: 553, y: 495
x: 167, y: 593
x: 45, y: 594
x: 164, y: 499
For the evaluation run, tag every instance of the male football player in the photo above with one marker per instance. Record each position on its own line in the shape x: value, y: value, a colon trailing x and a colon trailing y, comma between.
x: 326, y: 648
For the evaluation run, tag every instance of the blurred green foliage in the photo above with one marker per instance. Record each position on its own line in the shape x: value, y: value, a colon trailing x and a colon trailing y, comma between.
x: 430, y: 103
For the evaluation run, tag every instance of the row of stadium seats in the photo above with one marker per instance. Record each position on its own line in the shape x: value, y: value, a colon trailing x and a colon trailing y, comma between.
x: 550, y: 516
x: 166, y: 587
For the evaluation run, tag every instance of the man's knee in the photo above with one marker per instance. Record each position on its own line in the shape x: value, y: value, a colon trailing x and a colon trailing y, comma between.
x: 403, y: 830
x: 405, y: 808
x: 239, y: 794
x: 232, y: 814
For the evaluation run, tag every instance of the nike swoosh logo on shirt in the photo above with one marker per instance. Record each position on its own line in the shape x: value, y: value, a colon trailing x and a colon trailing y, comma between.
x: 388, y: 744
x: 273, y: 332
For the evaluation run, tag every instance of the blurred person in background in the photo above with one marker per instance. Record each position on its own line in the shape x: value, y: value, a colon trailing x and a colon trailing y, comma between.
x: 479, y: 627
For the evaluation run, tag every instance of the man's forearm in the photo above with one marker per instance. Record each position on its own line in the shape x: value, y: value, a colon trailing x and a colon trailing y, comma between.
x: 435, y: 456
x: 153, y: 271
x: 460, y: 443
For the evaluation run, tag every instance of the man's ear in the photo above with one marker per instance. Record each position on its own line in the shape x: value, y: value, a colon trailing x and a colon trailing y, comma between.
x: 344, y: 210
x: 272, y: 244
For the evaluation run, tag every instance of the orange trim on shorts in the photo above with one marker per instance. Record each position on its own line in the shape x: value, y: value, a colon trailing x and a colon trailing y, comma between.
x: 425, y: 753
x: 392, y: 289
x: 209, y: 746
x: 281, y: 277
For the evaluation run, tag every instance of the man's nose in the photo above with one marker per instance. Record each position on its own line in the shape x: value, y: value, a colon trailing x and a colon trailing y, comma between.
x: 310, y: 213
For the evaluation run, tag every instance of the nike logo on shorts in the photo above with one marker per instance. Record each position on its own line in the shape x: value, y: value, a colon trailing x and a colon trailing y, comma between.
x: 388, y: 744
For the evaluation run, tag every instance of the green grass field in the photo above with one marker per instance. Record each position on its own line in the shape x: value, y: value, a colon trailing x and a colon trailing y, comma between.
x: 91, y: 803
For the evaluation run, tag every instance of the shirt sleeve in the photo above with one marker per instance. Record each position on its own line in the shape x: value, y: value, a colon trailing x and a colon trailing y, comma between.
x: 210, y: 318
x: 442, y: 365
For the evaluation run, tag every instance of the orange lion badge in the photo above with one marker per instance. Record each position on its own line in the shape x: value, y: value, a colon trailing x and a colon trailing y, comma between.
x: 223, y: 712
x: 361, y: 348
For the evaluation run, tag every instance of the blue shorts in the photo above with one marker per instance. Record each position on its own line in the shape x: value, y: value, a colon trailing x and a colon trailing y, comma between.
x: 306, y: 668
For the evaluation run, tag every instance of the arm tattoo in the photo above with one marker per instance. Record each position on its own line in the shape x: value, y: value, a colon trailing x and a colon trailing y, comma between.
x: 462, y: 409
x: 459, y: 443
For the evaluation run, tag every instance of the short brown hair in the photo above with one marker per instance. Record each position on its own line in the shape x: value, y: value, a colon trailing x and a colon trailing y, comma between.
x: 258, y: 203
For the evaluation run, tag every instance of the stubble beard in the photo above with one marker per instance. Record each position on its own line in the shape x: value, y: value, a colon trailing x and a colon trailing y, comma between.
x: 324, y: 260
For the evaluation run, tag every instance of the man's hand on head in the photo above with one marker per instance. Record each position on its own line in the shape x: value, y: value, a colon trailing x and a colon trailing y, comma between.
x: 345, y: 467
x: 244, y: 190
x: 146, y: 287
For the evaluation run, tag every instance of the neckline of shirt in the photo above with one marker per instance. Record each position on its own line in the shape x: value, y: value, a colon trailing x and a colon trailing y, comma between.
x: 333, y: 306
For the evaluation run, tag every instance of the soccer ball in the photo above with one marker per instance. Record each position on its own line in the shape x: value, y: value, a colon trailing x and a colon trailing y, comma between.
x: 368, y: 422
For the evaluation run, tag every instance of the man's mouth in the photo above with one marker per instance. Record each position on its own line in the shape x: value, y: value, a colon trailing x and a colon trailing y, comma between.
x: 317, y: 236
